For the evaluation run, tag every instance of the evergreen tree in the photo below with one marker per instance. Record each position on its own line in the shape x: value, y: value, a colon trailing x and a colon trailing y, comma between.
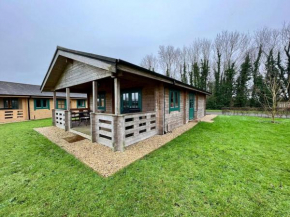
x: 257, y: 80
x: 204, y: 73
x: 184, y: 75
x: 242, y: 81
x: 191, y: 75
x: 167, y: 72
x: 228, y: 86
x: 196, y: 75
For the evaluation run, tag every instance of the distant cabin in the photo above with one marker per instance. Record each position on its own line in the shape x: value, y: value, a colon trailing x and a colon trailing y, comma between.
x: 126, y: 103
x: 19, y: 102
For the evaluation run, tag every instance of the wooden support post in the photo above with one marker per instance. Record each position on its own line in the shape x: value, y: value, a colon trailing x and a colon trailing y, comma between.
x: 67, y: 112
x: 54, y: 107
x: 54, y: 100
x: 95, y: 96
x: 93, y: 127
x: 67, y: 99
x: 119, y: 133
x: 88, y: 102
x: 117, y: 95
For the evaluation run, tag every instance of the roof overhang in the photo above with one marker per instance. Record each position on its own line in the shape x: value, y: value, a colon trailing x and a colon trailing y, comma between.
x: 63, y: 56
x: 129, y: 67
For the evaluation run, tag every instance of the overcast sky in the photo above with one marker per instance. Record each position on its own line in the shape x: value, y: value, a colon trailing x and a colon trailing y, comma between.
x: 31, y: 30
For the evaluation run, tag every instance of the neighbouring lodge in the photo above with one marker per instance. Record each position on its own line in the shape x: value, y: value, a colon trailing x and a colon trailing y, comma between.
x: 126, y: 103
x: 19, y: 102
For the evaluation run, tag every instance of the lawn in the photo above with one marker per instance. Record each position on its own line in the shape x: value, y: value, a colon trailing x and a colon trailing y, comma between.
x: 236, y: 166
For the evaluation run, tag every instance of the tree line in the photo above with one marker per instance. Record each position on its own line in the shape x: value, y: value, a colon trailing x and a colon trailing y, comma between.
x: 239, y: 69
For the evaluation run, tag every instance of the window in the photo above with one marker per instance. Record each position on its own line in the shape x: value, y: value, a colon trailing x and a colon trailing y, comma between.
x: 41, y: 104
x: 131, y: 101
x: 174, y: 100
x: 102, y: 101
x: 61, y: 104
x: 10, y: 103
x: 81, y: 103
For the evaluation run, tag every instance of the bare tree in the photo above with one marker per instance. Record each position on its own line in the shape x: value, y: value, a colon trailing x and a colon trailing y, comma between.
x: 272, y: 96
x: 150, y: 62
x: 167, y: 58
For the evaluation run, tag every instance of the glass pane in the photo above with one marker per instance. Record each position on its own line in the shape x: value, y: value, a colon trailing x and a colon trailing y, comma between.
x: 135, y: 100
x: 176, y: 100
x: 61, y: 104
x: 44, y: 103
x: 125, y: 100
x: 103, y: 102
x: 171, y: 100
x: 38, y: 103
x: 6, y: 103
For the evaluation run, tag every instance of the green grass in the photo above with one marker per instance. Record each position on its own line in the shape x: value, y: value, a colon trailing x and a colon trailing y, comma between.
x: 237, y: 166
x: 213, y: 110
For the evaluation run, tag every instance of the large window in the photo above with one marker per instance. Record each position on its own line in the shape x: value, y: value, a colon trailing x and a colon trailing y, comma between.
x: 61, y: 104
x: 41, y: 104
x: 102, y: 101
x: 174, y: 100
x: 81, y: 103
x: 11, y: 103
x: 131, y: 101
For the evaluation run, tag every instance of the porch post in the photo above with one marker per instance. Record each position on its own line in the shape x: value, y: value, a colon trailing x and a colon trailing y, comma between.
x: 67, y: 99
x: 119, y: 125
x: 117, y: 95
x: 94, y: 111
x: 95, y: 96
x: 67, y: 112
x: 54, y: 107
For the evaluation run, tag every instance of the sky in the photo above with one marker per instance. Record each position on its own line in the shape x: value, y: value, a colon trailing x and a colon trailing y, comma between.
x: 129, y: 29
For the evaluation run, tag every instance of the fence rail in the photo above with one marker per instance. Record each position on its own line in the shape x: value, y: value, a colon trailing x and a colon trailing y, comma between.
x: 11, y: 115
x: 139, y: 127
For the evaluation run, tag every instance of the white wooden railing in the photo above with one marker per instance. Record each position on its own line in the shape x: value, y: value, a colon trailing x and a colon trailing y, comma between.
x: 60, y: 118
x: 139, y: 126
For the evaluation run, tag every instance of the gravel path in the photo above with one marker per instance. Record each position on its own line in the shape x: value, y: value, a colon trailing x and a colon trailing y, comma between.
x: 101, y: 158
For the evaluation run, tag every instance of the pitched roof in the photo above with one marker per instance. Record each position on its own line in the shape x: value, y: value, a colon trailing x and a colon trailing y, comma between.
x: 120, y: 61
x: 19, y: 89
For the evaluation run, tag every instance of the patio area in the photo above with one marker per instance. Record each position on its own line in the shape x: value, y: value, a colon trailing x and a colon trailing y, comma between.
x: 103, y: 159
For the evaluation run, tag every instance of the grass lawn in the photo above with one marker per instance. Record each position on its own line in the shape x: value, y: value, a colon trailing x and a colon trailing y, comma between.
x: 237, y: 166
x: 213, y: 110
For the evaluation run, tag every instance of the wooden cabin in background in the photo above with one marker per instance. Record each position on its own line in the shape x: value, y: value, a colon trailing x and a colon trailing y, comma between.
x: 19, y: 102
x: 127, y: 103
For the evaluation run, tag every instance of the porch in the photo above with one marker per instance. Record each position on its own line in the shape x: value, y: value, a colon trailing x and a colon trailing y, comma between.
x: 113, y: 117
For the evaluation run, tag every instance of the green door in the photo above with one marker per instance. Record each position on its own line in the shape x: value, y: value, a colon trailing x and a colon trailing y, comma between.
x: 191, y: 106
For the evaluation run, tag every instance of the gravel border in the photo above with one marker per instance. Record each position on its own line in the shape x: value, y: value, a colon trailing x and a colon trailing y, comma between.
x: 104, y: 160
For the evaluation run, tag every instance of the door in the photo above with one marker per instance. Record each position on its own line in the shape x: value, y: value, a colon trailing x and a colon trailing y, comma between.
x: 191, y: 106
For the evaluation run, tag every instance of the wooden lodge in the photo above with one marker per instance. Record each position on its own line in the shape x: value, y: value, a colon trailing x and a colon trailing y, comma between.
x: 20, y: 102
x: 126, y: 103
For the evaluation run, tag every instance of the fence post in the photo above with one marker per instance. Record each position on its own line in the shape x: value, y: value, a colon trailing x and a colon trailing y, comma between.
x: 119, y: 133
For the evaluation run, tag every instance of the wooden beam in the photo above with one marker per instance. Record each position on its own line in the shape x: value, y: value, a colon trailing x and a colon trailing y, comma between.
x: 95, y: 96
x: 117, y: 95
x: 54, y: 100
x: 67, y: 99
